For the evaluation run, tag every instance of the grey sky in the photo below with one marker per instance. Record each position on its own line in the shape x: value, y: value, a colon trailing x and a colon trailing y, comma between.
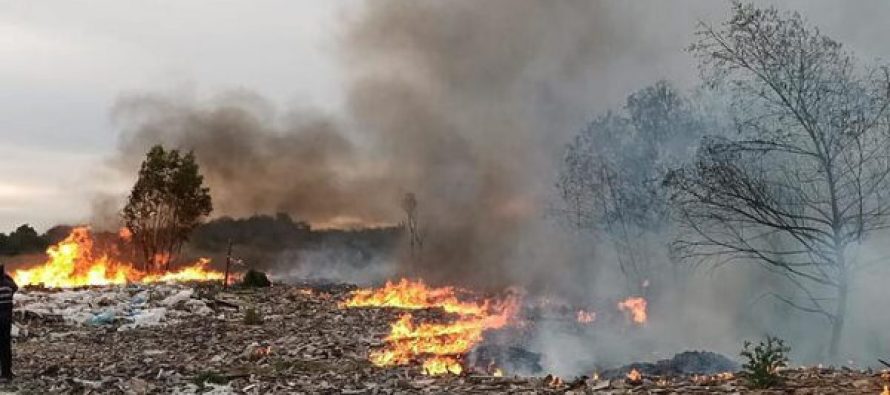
x: 64, y: 63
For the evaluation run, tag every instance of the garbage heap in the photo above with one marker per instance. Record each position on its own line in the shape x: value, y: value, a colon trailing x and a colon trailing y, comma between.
x: 118, y: 307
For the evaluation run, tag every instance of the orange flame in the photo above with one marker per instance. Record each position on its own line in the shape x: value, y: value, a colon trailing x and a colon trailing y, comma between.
x: 725, y: 376
x: 436, y: 366
x: 439, y: 345
x: 585, y: 317
x: 74, y: 262
x: 414, y: 295
x: 636, y: 307
x: 634, y: 376
x: 886, y: 391
x: 553, y: 381
x: 125, y: 234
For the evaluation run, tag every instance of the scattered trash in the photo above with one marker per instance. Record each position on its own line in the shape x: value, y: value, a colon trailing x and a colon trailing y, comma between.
x: 164, y: 342
x: 103, y: 318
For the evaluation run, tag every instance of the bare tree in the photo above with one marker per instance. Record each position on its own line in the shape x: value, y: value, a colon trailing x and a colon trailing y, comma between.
x: 415, y: 238
x: 613, y: 169
x: 805, y: 180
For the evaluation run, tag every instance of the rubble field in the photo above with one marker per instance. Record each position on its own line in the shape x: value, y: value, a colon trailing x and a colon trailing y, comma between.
x: 284, y: 339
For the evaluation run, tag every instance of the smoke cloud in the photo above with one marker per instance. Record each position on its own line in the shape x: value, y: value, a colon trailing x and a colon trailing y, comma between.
x: 465, y: 104
x: 254, y: 161
x: 468, y: 105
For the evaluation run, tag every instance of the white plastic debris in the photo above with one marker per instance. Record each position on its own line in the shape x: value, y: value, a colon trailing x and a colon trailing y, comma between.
x: 149, y: 317
x: 127, y: 306
x: 180, y: 296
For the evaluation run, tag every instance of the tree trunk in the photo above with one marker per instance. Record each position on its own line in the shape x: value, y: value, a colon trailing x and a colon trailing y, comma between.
x: 840, y: 312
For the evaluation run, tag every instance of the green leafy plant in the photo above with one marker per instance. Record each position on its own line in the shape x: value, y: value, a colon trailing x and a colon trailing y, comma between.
x: 167, y: 202
x: 764, y: 361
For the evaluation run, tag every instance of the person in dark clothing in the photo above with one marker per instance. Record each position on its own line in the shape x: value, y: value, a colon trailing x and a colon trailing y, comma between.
x: 8, y: 288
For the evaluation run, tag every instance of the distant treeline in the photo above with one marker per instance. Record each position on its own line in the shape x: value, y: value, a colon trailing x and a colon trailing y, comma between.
x: 257, y: 239
x: 260, y: 237
x: 281, y: 232
x: 26, y: 240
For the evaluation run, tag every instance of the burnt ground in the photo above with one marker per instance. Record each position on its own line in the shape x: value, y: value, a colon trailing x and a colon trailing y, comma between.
x: 304, y: 344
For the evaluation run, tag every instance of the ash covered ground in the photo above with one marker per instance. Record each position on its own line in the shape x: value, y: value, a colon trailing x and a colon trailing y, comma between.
x: 297, y: 339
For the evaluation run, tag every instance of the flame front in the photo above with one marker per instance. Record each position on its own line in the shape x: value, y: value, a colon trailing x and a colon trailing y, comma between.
x: 636, y: 307
x: 74, y: 262
x: 414, y: 295
x: 440, y: 346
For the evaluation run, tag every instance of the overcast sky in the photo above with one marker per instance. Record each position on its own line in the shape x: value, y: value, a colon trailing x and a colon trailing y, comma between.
x: 64, y: 63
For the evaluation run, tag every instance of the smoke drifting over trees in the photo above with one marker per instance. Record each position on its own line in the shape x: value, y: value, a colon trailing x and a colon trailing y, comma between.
x: 613, y: 171
x: 471, y: 107
x: 805, y: 181
x: 458, y: 103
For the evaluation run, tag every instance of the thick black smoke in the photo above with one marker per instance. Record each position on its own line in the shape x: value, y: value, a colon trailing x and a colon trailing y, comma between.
x: 255, y: 162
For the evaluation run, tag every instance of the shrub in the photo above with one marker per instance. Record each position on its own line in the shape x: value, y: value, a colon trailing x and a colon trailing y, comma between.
x: 255, y: 279
x: 763, y: 362
x: 252, y: 317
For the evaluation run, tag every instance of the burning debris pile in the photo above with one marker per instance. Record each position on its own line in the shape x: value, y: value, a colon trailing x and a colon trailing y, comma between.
x: 440, y: 346
x: 89, y: 320
x: 92, y: 321
x: 308, y: 339
x: 76, y: 261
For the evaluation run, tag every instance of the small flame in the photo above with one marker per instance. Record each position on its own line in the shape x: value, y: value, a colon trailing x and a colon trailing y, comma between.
x: 125, y: 234
x: 497, y: 372
x: 634, y: 376
x: 886, y: 391
x: 636, y: 307
x: 585, y: 317
x: 441, y: 365
x: 553, y: 381
x: 725, y: 376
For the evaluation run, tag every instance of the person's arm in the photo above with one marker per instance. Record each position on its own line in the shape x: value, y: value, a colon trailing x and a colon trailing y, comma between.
x: 11, y: 282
